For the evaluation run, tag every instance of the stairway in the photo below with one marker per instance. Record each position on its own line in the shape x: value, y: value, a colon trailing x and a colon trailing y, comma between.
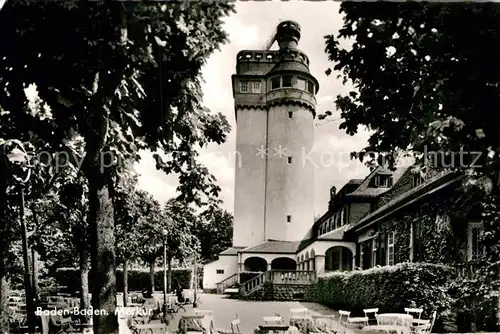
x: 226, y: 283
x: 276, y: 277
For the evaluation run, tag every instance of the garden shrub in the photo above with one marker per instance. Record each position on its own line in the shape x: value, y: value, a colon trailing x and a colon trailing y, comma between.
x: 476, y: 305
x: 137, y: 279
x: 390, y: 288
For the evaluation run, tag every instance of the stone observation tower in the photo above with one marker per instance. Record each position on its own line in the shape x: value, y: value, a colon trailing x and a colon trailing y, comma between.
x: 274, y: 97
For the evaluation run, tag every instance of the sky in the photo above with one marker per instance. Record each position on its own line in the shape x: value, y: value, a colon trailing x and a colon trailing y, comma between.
x: 250, y: 28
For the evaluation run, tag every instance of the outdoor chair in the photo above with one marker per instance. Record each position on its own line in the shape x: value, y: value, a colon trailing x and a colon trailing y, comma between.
x: 421, y: 329
x: 360, y: 321
x: 234, y: 329
x: 62, y: 324
x: 417, y: 311
x: 298, y: 311
x: 373, y: 311
x: 347, y: 322
x: 423, y: 326
x: 324, y: 324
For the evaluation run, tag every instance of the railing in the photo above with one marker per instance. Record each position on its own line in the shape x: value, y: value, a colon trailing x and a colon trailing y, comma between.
x: 293, y: 276
x: 467, y: 270
x: 278, y: 277
x: 254, y: 283
x: 227, y: 282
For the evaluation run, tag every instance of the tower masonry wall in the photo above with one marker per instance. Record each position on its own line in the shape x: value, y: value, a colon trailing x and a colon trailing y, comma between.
x: 250, y: 173
x: 290, y: 181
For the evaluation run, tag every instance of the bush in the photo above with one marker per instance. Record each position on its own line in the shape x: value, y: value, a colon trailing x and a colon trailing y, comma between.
x: 476, y: 305
x: 390, y: 288
x: 137, y: 279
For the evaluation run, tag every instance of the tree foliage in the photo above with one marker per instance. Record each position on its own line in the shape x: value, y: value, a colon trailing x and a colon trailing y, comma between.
x: 215, y: 233
x: 120, y: 77
x: 423, y: 77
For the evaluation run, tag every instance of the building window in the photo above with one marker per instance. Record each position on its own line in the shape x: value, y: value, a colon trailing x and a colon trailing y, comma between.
x: 417, y: 180
x: 288, y: 219
x: 287, y: 81
x: 243, y: 86
x: 275, y: 83
x: 383, y: 181
x: 416, y: 241
x: 220, y: 271
x: 310, y: 87
x: 475, y: 248
x: 374, y: 251
x: 390, y: 248
x: 289, y: 160
x: 256, y: 87
x: 301, y: 84
x: 442, y: 222
x: 341, y: 219
x: 366, y: 254
x: 382, y: 251
x: 290, y: 114
x: 344, y: 215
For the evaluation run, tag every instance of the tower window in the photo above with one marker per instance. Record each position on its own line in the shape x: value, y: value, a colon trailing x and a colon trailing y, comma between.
x: 287, y: 81
x: 301, y: 84
x: 289, y: 160
x: 220, y: 271
x: 256, y: 87
x: 290, y: 114
x: 244, y: 86
x: 310, y: 87
x: 288, y: 219
x: 275, y: 83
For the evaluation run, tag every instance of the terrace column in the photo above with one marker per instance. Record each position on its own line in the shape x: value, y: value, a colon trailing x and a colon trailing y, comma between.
x: 269, y: 266
x: 319, y: 264
x: 311, y: 264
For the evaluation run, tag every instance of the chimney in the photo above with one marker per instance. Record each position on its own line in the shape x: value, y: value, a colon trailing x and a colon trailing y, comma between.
x: 333, y: 192
x: 288, y: 35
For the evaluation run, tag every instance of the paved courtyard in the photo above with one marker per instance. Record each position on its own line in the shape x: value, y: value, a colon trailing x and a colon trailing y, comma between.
x: 250, y: 313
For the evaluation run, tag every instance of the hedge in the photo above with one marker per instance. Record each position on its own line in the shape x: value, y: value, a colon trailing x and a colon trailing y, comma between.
x: 137, y: 279
x: 390, y: 288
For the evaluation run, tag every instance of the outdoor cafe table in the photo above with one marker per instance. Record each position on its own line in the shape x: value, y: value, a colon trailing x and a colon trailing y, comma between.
x: 149, y: 328
x: 196, y: 323
x: 265, y: 329
x: 306, y: 324
x: 274, y: 319
x: 399, y: 319
x: 391, y: 329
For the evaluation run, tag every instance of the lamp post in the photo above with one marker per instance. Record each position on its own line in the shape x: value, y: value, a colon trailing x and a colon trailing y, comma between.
x: 195, y: 274
x: 164, y: 309
x: 19, y: 156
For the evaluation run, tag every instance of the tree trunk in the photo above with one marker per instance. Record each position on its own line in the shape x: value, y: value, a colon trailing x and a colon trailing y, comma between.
x: 101, y: 219
x: 4, y: 297
x: 152, y: 275
x: 125, y: 282
x: 84, y: 280
x: 4, y: 247
x: 34, y: 263
x: 169, y: 274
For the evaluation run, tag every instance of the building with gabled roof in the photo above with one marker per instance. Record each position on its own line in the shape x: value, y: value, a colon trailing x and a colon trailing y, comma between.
x: 369, y: 222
